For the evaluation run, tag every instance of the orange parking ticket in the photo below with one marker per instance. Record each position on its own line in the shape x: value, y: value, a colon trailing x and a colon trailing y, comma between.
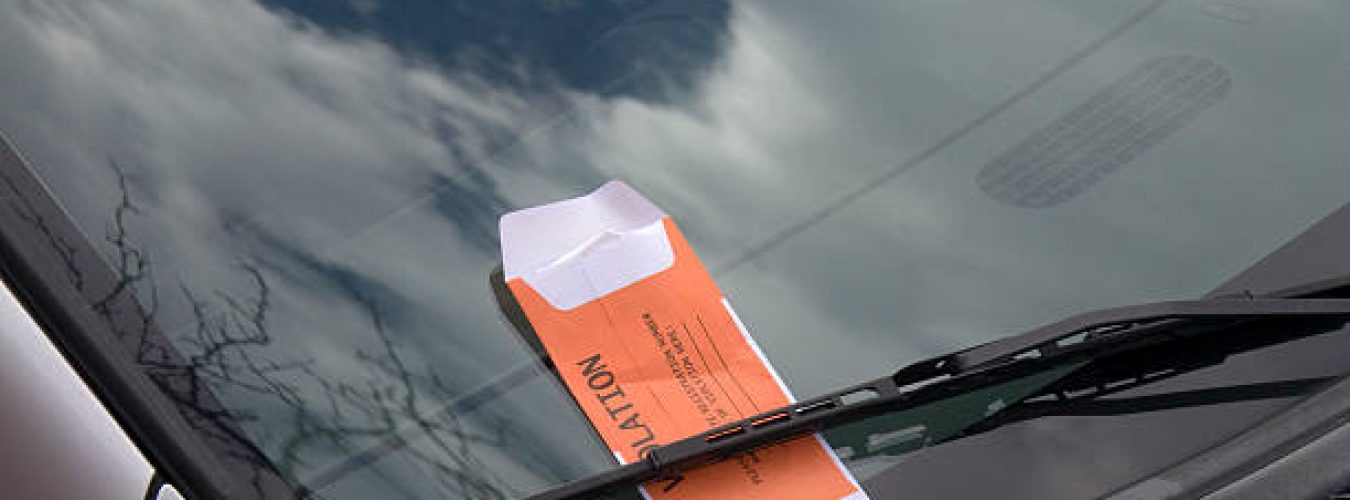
x: 648, y: 346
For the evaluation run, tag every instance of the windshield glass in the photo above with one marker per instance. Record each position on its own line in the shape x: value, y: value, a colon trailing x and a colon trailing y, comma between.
x: 305, y: 195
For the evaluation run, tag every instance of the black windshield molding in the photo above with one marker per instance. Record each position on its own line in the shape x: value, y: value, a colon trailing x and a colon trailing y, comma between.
x: 1108, y: 332
x: 118, y: 350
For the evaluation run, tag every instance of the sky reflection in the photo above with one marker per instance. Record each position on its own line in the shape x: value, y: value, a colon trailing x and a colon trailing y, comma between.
x: 355, y: 158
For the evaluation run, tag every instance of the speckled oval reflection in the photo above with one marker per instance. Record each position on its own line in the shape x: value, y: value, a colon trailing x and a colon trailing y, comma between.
x: 1106, y: 132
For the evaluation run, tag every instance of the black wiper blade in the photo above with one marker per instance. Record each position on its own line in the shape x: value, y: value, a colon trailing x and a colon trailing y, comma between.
x: 1096, y: 333
x: 1212, y: 309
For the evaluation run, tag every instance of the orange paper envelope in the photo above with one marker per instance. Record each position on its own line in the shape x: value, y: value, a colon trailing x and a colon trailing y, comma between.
x: 648, y: 346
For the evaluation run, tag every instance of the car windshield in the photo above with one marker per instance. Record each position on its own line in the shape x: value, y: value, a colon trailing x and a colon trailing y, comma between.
x: 305, y: 195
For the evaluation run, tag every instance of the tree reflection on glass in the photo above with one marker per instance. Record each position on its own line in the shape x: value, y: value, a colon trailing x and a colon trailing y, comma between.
x: 333, y: 427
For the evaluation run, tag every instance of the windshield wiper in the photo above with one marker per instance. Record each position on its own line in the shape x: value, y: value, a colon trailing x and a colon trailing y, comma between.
x: 1083, y: 337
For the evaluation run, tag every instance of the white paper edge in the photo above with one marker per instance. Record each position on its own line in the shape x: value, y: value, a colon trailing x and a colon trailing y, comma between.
x: 580, y: 249
x: 856, y: 495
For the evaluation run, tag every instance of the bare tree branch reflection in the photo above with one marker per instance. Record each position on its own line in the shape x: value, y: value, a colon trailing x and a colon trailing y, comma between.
x: 129, y: 265
x: 299, y: 415
x: 22, y: 207
x: 399, y: 421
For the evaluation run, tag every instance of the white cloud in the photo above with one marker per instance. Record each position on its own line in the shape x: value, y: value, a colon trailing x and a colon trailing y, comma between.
x: 809, y: 104
x: 233, y: 120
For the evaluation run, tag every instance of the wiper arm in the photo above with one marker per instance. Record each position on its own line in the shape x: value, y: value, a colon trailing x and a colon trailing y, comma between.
x: 1094, y: 334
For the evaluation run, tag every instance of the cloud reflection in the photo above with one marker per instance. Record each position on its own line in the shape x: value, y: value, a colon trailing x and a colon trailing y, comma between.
x: 360, y: 176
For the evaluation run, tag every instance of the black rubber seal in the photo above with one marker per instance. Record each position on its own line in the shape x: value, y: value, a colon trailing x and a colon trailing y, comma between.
x: 117, y: 348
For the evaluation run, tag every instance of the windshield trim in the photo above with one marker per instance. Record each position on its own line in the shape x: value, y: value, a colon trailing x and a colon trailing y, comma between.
x: 118, y: 349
